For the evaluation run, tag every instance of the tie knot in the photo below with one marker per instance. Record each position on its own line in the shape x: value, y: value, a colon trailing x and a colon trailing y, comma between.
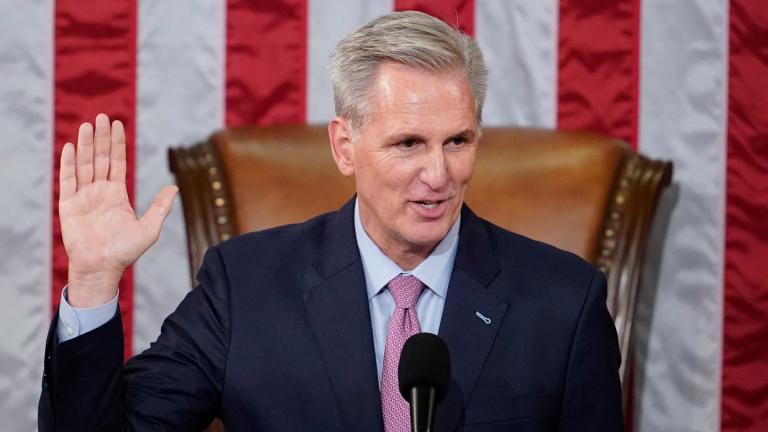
x: 405, y: 289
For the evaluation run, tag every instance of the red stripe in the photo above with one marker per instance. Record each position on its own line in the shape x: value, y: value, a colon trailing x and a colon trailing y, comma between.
x: 458, y: 13
x: 745, y: 335
x: 94, y: 71
x: 598, y: 79
x: 266, y: 71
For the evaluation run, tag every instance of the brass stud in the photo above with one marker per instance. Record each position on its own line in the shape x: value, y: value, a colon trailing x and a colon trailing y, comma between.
x: 609, y: 233
x: 603, y: 269
x: 624, y: 182
x: 209, y: 157
x: 212, y: 171
x: 225, y: 236
x: 216, y: 185
x: 219, y: 202
x: 221, y: 220
x: 615, y: 215
x: 605, y: 252
x: 620, y: 199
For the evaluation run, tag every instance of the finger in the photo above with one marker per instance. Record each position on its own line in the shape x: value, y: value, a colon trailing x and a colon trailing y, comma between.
x: 117, y: 153
x: 101, y: 148
x: 67, y: 179
x: 84, y: 155
x: 158, y: 210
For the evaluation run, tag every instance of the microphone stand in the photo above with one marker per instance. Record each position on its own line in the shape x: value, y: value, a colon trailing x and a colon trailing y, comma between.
x: 422, y: 408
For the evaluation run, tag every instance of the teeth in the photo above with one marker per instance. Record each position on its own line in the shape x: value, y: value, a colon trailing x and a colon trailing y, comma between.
x: 428, y: 204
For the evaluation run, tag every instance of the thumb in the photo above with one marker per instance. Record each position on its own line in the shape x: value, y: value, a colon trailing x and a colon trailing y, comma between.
x: 158, y: 210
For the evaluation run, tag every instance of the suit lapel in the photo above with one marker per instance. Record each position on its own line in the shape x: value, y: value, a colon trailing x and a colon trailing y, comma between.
x: 337, y: 306
x: 471, y: 318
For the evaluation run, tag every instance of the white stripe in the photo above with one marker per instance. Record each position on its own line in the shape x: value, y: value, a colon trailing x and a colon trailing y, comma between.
x: 180, y: 101
x: 683, y: 111
x: 519, y: 42
x: 329, y: 22
x: 26, y: 107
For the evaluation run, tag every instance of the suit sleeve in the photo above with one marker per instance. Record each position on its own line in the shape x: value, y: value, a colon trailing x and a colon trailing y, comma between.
x: 592, y: 396
x: 174, y: 385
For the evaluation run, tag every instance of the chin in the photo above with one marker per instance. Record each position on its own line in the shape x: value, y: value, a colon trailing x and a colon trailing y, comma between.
x: 428, y: 236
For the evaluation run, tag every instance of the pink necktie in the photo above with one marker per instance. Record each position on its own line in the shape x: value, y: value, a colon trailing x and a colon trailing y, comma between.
x: 405, y: 289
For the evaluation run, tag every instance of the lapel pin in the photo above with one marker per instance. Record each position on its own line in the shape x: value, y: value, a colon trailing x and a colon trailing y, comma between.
x: 483, y: 317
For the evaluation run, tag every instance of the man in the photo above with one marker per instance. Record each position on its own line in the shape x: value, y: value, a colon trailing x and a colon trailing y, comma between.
x: 300, y: 327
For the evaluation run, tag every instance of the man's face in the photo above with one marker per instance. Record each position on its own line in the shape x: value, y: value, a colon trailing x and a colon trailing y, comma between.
x: 414, y: 158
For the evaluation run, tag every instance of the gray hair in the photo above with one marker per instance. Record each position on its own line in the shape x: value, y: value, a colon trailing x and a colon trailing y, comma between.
x: 410, y: 38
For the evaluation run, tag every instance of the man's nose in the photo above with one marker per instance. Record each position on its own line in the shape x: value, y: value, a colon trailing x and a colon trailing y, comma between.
x: 434, y: 170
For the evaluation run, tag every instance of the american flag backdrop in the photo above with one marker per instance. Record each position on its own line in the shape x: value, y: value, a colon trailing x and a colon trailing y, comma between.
x: 685, y: 80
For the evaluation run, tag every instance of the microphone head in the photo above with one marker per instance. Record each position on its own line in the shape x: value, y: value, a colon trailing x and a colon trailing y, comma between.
x: 424, y: 361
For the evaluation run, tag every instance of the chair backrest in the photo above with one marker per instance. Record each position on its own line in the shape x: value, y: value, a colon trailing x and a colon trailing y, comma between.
x: 585, y: 193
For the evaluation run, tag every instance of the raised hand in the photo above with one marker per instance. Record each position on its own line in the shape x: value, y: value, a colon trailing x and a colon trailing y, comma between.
x: 101, y: 233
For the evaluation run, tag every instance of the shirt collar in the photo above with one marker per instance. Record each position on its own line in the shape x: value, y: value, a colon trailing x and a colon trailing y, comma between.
x: 379, y: 269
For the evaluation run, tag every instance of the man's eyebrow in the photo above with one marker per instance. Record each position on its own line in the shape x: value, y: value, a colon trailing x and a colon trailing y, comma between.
x: 466, y: 134
x: 405, y: 136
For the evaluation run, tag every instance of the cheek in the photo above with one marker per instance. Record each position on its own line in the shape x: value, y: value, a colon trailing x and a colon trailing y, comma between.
x: 386, y: 183
x: 398, y: 174
x: 462, y: 168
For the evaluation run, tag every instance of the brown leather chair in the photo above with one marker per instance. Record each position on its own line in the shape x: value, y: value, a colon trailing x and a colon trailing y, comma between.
x: 585, y: 193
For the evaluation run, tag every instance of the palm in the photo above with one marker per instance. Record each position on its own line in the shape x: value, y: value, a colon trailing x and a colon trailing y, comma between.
x: 100, y: 228
x: 101, y: 233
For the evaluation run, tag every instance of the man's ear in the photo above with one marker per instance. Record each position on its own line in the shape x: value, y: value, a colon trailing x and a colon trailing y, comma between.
x: 340, y: 137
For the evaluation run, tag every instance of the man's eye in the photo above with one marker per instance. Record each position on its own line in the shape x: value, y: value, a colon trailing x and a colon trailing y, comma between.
x: 458, y: 142
x: 407, y: 144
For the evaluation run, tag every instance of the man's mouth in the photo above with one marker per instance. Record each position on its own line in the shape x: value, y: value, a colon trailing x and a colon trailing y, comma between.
x: 429, y: 204
x: 430, y: 209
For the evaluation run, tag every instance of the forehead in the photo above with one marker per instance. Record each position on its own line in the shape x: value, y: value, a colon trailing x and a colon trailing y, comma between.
x: 407, y: 95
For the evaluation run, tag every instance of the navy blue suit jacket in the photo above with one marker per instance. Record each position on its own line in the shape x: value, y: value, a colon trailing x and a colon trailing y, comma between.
x: 277, y: 337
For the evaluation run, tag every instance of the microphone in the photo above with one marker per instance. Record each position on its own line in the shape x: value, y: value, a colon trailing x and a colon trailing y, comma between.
x: 424, y: 374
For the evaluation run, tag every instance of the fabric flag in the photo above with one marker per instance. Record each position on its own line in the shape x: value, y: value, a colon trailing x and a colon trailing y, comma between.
x: 681, y: 80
